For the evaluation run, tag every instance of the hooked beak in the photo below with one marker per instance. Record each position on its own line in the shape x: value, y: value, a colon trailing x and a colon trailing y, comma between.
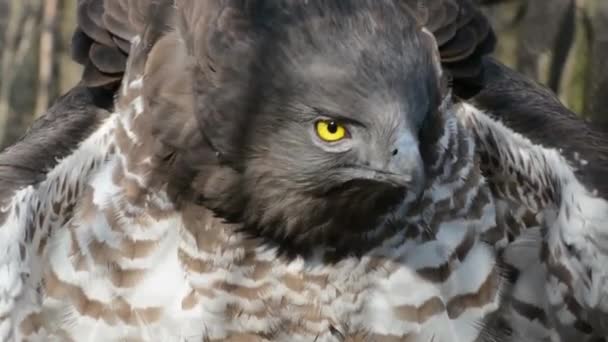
x: 404, y: 162
x: 399, y: 165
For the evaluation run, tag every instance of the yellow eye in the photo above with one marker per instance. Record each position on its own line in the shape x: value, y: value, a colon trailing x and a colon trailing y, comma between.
x: 330, y: 131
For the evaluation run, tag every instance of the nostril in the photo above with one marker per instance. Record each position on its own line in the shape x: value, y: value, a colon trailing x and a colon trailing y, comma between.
x: 395, y: 151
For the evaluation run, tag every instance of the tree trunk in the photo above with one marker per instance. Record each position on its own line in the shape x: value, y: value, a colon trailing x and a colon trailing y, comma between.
x: 596, y: 102
x: 69, y: 71
x: 47, y: 68
x: 545, y: 36
x: 19, y: 34
x: 560, y: 43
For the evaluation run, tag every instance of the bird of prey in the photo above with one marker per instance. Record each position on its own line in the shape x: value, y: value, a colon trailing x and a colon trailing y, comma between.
x: 282, y: 170
x: 272, y: 171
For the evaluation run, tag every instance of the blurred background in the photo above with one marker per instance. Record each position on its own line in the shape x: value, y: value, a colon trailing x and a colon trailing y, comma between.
x: 561, y: 43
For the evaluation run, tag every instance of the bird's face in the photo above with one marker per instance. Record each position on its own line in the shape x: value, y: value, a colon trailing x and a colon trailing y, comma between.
x: 331, y: 142
x: 330, y: 131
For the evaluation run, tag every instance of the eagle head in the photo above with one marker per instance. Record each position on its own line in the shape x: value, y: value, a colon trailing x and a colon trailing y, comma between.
x: 321, y: 114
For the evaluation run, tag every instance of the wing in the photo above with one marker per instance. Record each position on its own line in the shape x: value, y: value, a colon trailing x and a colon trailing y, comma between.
x: 565, y: 233
x: 533, y: 110
x: 572, y: 197
x: 464, y: 36
x: 101, y: 41
x: 23, y: 166
x: 51, y: 137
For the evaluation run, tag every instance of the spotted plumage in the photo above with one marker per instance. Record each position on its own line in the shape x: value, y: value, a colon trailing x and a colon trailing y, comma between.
x: 560, y: 282
x: 578, y: 149
x: 119, y: 272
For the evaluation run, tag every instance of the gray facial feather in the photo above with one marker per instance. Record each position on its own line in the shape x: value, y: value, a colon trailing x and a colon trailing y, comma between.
x: 365, y: 64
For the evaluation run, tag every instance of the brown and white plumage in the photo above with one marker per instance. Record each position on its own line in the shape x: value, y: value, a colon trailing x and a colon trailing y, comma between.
x: 557, y: 234
x: 581, y: 149
x: 194, y: 279
x: 26, y: 163
x: 117, y: 254
x: 121, y: 249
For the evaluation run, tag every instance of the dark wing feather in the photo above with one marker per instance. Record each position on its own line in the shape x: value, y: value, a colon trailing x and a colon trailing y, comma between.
x: 534, y: 111
x: 52, y: 136
x: 101, y: 41
x: 105, y: 27
x: 464, y: 36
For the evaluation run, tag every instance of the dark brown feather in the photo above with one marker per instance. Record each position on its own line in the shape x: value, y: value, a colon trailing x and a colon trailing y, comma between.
x: 462, y: 32
x: 464, y: 36
x: 53, y: 136
x: 110, y: 25
x: 535, y: 112
x: 107, y: 58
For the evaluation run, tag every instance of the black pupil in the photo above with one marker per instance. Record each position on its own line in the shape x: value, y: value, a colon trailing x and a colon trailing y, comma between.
x: 332, y: 127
